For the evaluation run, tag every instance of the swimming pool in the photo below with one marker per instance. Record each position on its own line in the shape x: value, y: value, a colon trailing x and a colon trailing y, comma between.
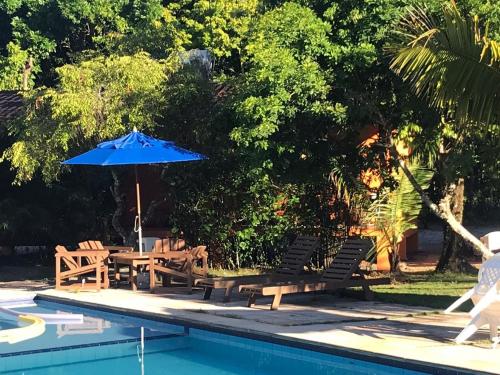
x: 108, y: 343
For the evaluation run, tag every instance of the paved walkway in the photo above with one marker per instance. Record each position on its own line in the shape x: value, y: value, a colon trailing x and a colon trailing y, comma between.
x: 395, y: 330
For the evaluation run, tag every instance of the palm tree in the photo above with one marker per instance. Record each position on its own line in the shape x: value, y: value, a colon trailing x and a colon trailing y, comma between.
x: 396, y: 210
x: 456, y: 67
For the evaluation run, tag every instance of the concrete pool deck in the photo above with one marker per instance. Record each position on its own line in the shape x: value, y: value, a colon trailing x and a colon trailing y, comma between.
x: 408, y: 333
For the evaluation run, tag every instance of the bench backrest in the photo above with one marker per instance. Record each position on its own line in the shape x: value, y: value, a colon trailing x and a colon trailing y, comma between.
x: 297, y: 255
x: 347, y: 260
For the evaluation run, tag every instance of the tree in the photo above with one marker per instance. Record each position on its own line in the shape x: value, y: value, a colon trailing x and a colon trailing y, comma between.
x: 12, y: 67
x: 96, y: 100
x: 457, y: 69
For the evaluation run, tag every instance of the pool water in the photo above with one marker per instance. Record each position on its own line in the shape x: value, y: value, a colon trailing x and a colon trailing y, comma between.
x: 108, y: 343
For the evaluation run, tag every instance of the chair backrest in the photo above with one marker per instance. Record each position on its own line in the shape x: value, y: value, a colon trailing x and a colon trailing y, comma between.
x: 84, y: 245
x: 347, y: 260
x: 199, y: 252
x: 297, y: 255
x: 96, y: 245
x: 91, y: 245
x: 148, y: 243
x: 489, y: 274
x: 169, y: 244
x: 492, y: 241
x: 68, y: 260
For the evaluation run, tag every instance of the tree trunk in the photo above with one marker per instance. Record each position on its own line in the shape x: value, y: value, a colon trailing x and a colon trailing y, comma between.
x: 453, y: 256
x: 443, y: 210
x: 119, y: 198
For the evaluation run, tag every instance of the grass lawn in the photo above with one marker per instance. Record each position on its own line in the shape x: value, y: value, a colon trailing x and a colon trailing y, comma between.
x: 220, y: 272
x: 427, y: 289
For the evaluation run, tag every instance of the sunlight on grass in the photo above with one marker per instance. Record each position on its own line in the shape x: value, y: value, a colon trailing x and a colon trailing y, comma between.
x: 219, y: 272
x: 427, y: 289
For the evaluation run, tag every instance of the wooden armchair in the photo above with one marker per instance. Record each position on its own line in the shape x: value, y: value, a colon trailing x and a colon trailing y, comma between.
x: 162, y: 263
x: 199, y: 254
x: 72, y: 260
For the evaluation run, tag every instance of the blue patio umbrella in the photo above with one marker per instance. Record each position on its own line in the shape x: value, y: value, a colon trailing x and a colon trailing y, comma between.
x: 135, y: 148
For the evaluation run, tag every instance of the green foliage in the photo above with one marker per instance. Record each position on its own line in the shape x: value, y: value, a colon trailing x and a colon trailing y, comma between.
x: 292, y: 86
x: 454, y: 65
x: 155, y: 29
x: 219, y: 25
x: 284, y: 78
x: 95, y: 100
x: 11, y: 68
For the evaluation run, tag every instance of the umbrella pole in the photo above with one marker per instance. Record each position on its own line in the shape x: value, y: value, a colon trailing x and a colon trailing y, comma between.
x: 139, y: 224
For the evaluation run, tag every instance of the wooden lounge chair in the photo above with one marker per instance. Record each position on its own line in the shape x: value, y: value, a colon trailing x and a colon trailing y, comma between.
x: 199, y: 255
x: 339, y: 275
x: 296, y: 258
x: 74, y: 268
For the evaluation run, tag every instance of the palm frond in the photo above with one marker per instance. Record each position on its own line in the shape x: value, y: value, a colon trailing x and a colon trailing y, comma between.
x: 396, y: 210
x: 453, y: 65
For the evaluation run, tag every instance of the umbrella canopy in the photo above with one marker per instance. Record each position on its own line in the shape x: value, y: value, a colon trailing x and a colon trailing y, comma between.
x: 135, y: 148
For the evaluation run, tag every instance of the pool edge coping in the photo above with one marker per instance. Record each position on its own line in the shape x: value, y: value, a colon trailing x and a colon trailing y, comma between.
x: 358, y: 354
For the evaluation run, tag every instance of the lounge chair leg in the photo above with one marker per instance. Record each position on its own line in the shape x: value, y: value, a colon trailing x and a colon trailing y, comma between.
x: 276, y: 301
x: 208, y: 293
x: 227, y: 294
x: 251, y: 300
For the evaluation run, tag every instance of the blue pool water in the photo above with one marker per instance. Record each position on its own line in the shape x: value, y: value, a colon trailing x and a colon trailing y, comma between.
x: 111, y: 344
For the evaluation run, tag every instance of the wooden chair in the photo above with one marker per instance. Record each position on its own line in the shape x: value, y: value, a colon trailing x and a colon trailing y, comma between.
x: 74, y: 268
x: 169, y: 244
x: 342, y: 273
x: 199, y: 255
x: 296, y: 258
x: 91, y: 245
x: 97, y: 245
x: 161, y: 263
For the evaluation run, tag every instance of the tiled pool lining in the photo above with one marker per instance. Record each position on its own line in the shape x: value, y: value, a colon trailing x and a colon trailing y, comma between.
x: 358, y: 354
x: 80, y: 346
